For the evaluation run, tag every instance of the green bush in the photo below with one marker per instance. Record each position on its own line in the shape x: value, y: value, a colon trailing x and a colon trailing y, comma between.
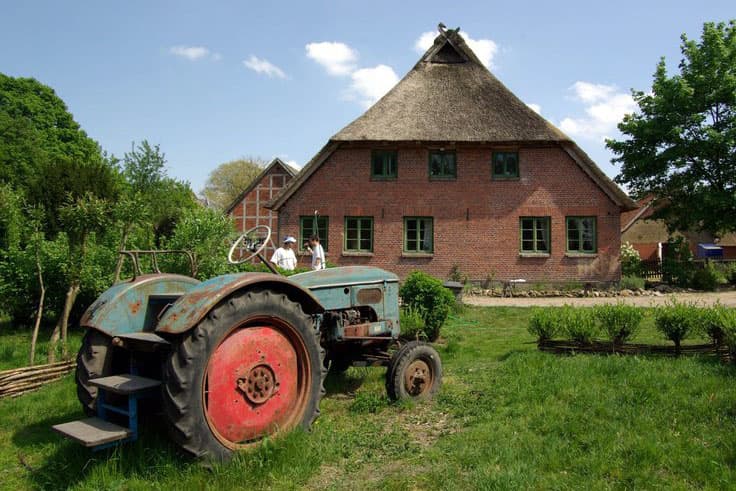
x: 710, y: 323
x: 619, y: 322
x: 579, y: 324
x: 632, y: 283
x: 676, y: 321
x: 630, y: 260
x: 412, y: 324
x: 707, y: 278
x: 545, y: 324
x: 433, y: 301
x: 727, y: 323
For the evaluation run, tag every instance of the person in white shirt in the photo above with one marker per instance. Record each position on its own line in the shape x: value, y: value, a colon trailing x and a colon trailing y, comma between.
x: 284, y: 256
x: 318, y: 253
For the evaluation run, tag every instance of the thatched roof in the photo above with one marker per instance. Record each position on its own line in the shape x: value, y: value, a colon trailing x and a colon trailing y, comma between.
x: 275, y: 162
x: 450, y: 96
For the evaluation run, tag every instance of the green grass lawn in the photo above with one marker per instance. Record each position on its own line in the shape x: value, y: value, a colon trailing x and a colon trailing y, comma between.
x: 507, y: 417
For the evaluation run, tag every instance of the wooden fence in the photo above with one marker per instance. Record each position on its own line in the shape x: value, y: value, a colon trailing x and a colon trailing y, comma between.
x: 22, y: 380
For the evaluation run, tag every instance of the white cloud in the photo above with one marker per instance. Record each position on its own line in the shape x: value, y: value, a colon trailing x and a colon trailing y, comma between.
x: 264, y: 67
x: 370, y: 84
x: 194, y: 53
x: 484, y: 49
x: 535, y: 107
x: 337, y: 58
x: 605, y: 106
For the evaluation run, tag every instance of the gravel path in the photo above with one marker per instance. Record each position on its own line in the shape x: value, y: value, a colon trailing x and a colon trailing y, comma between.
x: 726, y: 298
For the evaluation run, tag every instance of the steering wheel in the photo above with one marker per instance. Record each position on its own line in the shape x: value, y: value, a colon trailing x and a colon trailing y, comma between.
x: 251, y: 241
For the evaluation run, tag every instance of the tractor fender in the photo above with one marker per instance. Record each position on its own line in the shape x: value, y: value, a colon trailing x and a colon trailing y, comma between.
x: 124, y: 307
x: 194, y: 306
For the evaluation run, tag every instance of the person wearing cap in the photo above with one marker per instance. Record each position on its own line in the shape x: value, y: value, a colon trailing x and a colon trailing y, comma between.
x: 284, y: 256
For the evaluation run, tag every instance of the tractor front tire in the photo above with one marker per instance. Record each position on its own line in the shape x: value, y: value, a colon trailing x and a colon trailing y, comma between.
x: 414, y: 372
x: 251, y: 368
x: 94, y: 360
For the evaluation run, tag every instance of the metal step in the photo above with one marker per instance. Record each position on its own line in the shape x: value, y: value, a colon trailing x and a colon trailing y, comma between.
x: 125, y: 384
x: 92, y: 432
x: 146, y: 337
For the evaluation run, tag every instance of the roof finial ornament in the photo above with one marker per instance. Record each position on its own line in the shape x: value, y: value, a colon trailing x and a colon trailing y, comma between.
x: 445, y: 31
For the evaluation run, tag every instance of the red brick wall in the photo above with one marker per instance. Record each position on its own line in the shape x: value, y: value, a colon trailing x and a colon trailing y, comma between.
x: 251, y: 211
x: 476, y: 220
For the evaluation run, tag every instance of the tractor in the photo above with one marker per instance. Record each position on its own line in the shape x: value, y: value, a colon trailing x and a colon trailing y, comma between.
x: 240, y: 357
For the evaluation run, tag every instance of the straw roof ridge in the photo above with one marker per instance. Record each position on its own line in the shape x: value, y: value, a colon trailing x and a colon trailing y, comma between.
x: 446, y: 99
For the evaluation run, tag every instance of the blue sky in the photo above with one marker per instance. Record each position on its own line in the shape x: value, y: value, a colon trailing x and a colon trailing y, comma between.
x: 214, y: 81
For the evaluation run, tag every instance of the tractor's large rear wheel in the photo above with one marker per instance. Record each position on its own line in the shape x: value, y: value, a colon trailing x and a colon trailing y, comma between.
x: 252, y: 368
x: 94, y: 360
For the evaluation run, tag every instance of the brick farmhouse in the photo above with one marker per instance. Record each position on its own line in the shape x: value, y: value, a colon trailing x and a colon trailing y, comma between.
x: 249, y: 208
x: 450, y: 169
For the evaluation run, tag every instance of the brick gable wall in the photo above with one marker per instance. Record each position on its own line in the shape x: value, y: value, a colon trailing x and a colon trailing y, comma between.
x: 476, y: 219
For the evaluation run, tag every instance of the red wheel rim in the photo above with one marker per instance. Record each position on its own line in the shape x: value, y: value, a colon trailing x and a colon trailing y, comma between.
x: 256, y: 383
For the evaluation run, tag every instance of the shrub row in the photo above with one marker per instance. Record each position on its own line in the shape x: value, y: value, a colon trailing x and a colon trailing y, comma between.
x: 619, y: 323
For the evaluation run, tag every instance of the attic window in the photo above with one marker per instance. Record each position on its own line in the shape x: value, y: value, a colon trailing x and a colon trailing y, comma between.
x: 442, y: 165
x: 447, y: 54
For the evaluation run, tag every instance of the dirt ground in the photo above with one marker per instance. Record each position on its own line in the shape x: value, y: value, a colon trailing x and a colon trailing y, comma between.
x: 706, y: 298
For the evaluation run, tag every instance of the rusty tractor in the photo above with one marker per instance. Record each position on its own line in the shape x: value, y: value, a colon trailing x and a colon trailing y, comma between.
x: 229, y: 361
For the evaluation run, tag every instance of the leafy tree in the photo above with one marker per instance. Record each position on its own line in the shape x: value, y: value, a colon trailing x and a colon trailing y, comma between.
x: 207, y: 234
x: 36, y: 126
x: 228, y: 180
x: 152, y: 192
x: 681, y: 144
x: 80, y: 218
x: 144, y: 167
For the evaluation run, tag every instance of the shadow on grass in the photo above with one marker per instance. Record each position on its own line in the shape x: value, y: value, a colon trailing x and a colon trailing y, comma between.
x: 72, y: 464
x: 40, y: 432
x: 345, y: 382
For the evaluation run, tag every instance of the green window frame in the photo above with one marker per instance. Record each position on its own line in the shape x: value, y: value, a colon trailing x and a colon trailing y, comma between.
x: 384, y: 164
x: 534, y: 234
x: 442, y: 164
x: 505, y: 165
x: 581, y: 234
x: 419, y: 235
x: 307, y: 229
x: 358, y: 234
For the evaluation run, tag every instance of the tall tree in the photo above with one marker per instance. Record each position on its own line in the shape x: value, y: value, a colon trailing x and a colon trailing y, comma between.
x: 36, y: 126
x: 681, y: 144
x: 80, y: 218
x: 228, y: 180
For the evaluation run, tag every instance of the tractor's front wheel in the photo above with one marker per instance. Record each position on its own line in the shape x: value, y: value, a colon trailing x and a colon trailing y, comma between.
x: 252, y: 368
x: 414, y: 372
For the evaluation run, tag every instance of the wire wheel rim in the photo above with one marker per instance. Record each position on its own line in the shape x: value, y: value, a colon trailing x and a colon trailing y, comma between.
x: 251, y: 397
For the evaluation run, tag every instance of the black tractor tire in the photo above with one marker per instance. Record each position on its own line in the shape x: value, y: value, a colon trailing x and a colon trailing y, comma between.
x: 94, y: 360
x: 402, y: 361
x: 185, y: 368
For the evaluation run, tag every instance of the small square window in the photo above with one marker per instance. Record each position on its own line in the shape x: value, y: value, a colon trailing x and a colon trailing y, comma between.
x: 581, y: 234
x: 418, y: 235
x: 442, y: 165
x: 359, y: 234
x: 505, y: 165
x: 384, y: 164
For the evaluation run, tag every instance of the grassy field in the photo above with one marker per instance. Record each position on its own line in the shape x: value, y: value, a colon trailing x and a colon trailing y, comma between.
x: 507, y: 417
